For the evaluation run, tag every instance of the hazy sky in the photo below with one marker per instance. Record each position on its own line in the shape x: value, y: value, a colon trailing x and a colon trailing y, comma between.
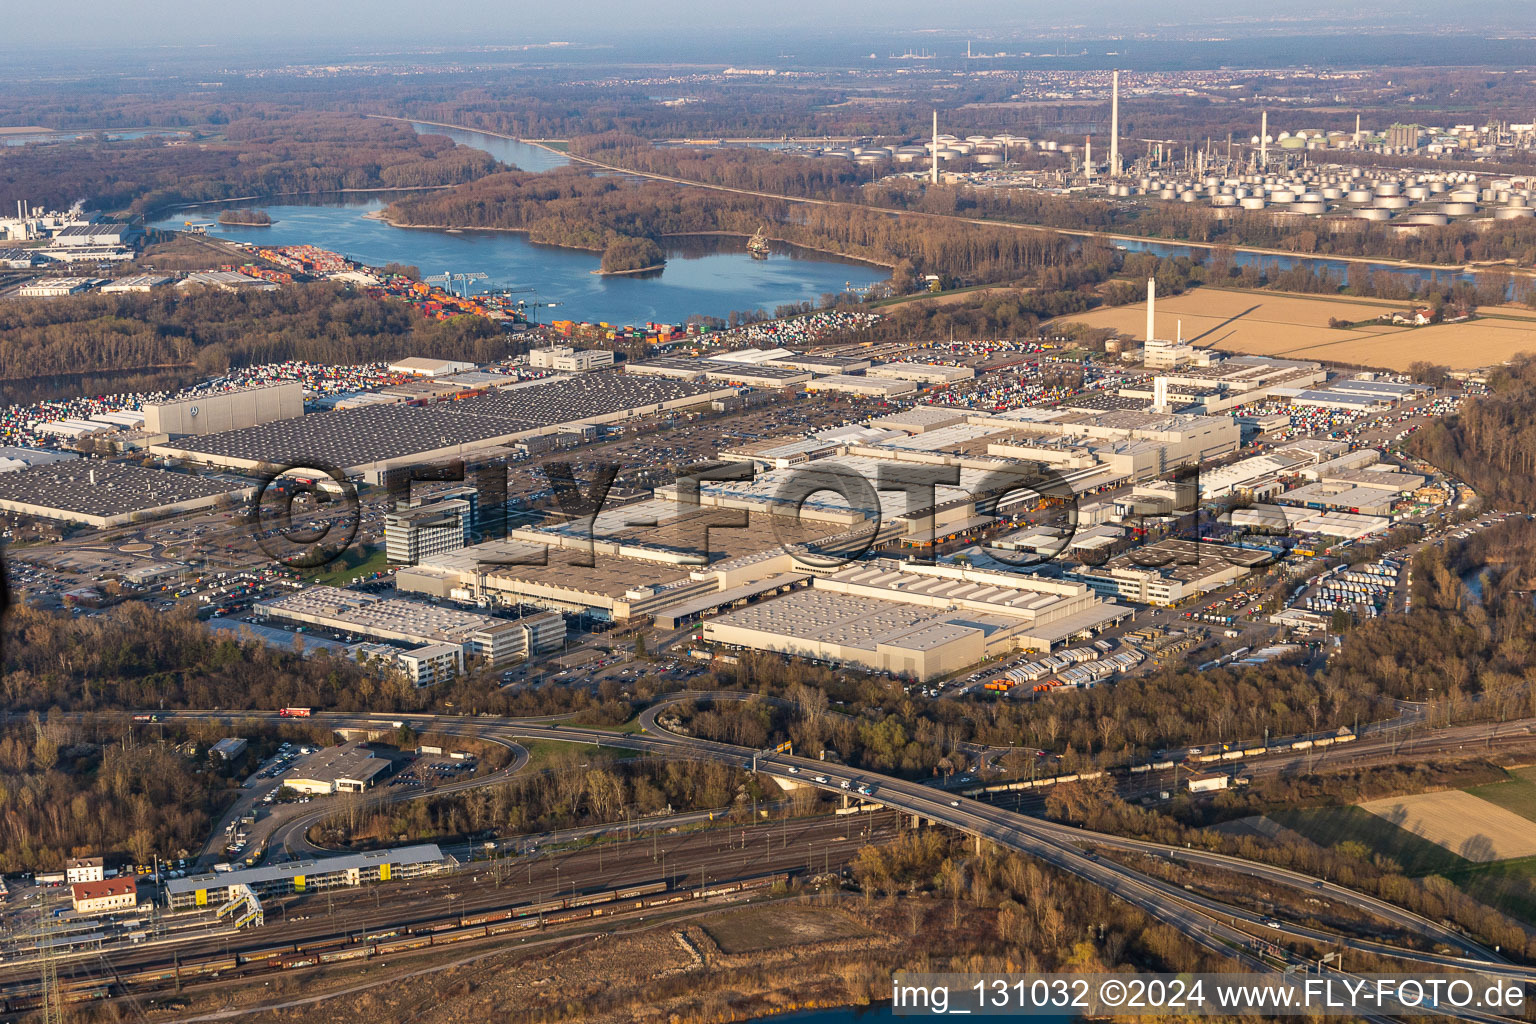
x: 347, y: 23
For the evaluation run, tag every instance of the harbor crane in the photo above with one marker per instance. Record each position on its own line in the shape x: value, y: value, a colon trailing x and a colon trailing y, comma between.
x: 455, y: 284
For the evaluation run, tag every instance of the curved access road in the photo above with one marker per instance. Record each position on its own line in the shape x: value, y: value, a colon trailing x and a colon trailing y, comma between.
x: 1214, y: 929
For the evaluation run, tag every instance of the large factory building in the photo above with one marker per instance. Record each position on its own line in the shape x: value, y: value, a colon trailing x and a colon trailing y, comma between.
x: 232, y: 410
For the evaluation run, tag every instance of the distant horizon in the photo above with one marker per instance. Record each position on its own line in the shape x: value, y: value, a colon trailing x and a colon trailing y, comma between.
x: 667, y: 27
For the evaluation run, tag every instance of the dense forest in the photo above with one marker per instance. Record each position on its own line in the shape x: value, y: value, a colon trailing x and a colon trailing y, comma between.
x: 71, y: 789
x: 568, y: 791
x: 251, y: 156
x: 210, y: 330
x: 1491, y: 441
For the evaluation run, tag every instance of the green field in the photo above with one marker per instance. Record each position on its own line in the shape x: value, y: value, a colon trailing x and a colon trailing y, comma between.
x: 353, y: 562
x: 1516, y: 794
x: 1508, y: 885
x: 546, y: 754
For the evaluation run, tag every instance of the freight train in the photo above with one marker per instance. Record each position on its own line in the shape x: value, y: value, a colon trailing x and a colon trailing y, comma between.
x: 26, y: 996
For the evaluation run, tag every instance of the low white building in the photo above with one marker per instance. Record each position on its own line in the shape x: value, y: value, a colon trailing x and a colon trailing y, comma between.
x: 569, y: 360
x: 105, y: 896
x: 84, y: 869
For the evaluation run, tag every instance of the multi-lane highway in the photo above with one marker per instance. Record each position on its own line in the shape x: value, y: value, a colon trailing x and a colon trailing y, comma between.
x: 1226, y: 930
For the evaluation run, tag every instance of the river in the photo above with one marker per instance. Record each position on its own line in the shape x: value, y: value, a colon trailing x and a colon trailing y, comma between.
x: 703, y: 275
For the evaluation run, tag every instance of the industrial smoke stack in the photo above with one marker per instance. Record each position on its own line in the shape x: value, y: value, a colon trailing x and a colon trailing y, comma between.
x: 1160, y: 394
x: 934, y: 173
x: 1114, y: 123
x: 1264, y: 139
x: 1151, y: 302
x: 1087, y: 156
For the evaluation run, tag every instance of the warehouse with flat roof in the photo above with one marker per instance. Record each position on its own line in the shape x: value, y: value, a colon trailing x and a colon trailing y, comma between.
x: 920, y: 621
x: 105, y: 494
x: 375, y: 438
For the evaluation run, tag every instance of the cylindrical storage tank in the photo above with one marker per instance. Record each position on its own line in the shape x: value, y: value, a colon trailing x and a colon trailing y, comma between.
x: 1332, y: 192
x: 989, y: 159
x: 1240, y: 192
x: 1423, y: 218
x: 1372, y: 213
x: 1464, y: 195
x: 1518, y: 201
x: 1282, y: 197
x: 1310, y: 197
x: 1391, y: 202
x: 1122, y: 190
x: 963, y: 148
x: 1513, y: 212
x: 1358, y: 195
x: 977, y: 138
x: 906, y: 158
x: 868, y: 158
x: 846, y: 154
x: 1419, y: 192
x: 1224, y: 200
x: 1437, y: 187
x: 1458, y: 209
x: 1187, y: 196
x: 1389, y: 188
x: 1252, y: 203
x: 1167, y: 193
x: 1311, y: 206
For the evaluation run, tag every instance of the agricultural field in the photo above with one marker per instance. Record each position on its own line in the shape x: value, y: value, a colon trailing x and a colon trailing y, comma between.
x: 1516, y: 794
x: 1296, y: 326
x: 1475, y: 829
x: 1509, y: 885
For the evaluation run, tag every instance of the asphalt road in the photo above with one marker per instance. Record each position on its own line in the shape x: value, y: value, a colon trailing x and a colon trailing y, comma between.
x: 1198, y: 918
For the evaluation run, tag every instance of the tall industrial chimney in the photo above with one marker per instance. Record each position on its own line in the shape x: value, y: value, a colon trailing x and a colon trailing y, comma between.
x: 1114, y: 123
x: 1264, y: 139
x: 1160, y: 395
x: 1087, y: 156
x: 934, y: 173
x: 1151, y: 302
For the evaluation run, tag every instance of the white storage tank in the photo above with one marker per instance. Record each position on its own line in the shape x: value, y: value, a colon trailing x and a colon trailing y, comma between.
x: 1225, y: 199
x: 1282, y: 197
x: 1311, y: 207
x: 1454, y: 209
x: 1423, y: 218
x: 989, y: 159
x: 1513, y: 213
x: 1358, y: 195
x: 1391, y: 202
x: 1373, y: 213
x: 1252, y: 202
